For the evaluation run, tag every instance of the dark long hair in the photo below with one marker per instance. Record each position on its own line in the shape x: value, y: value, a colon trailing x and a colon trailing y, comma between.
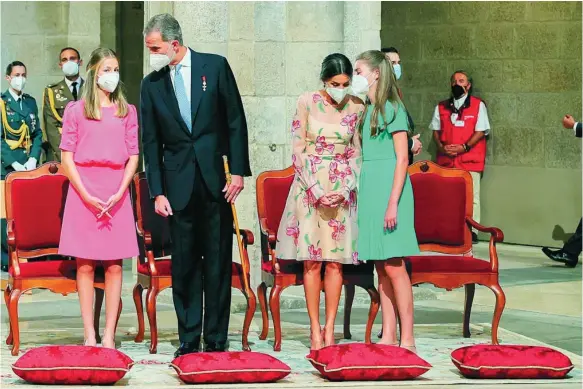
x: 335, y: 64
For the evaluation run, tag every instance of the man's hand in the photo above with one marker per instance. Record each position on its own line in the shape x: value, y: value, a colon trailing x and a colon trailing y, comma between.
x: 568, y: 122
x: 162, y: 206
x: 454, y: 150
x: 30, y: 164
x: 233, y: 190
x: 417, y: 145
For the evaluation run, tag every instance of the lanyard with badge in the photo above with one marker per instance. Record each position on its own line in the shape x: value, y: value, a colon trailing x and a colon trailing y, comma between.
x: 457, y: 114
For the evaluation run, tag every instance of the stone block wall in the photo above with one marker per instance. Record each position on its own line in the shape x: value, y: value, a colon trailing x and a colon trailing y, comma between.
x: 525, y: 59
x: 275, y: 50
x: 35, y: 32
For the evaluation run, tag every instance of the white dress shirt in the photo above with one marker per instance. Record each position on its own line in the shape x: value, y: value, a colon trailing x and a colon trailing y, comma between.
x: 16, y: 97
x: 185, y: 71
x: 70, y: 84
x: 482, y: 123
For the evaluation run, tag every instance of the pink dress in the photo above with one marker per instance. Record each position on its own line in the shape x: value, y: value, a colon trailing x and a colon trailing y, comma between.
x: 101, y: 150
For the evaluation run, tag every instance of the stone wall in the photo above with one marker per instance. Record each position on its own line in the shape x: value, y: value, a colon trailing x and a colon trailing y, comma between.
x: 275, y: 50
x: 525, y: 58
x: 35, y: 32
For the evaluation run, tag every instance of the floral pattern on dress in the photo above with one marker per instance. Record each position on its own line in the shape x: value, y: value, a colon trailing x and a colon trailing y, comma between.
x: 326, y: 158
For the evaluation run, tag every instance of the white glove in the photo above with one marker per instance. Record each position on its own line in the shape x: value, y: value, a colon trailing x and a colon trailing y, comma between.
x: 18, y: 167
x: 30, y: 164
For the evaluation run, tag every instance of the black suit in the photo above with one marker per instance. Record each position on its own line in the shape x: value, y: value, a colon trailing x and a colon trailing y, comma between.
x: 573, y: 245
x: 187, y: 167
x: 579, y: 130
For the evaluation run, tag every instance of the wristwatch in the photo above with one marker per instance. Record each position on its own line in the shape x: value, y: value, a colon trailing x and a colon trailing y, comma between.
x: 467, y: 147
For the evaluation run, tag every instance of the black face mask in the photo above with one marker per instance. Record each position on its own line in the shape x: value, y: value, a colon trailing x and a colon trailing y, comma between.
x: 457, y: 91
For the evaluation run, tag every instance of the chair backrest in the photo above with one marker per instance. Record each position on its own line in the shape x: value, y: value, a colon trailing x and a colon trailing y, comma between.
x: 35, y: 201
x: 443, y: 200
x: 148, y: 221
x: 272, y: 191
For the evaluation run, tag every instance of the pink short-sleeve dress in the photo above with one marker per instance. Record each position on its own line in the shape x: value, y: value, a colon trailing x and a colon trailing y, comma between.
x: 101, y: 149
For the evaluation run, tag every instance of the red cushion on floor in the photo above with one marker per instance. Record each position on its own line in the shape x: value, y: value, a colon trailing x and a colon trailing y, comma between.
x: 511, y: 361
x: 72, y: 365
x: 367, y: 362
x: 229, y: 367
x: 448, y: 264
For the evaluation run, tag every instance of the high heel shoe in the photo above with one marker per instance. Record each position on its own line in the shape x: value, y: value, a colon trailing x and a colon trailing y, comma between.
x: 312, y: 348
x: 87, y: 343
x: 105, y: 341
x: 412, y: 348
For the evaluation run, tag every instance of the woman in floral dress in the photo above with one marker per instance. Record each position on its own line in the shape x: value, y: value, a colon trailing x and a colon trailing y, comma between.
x: 319, y: 221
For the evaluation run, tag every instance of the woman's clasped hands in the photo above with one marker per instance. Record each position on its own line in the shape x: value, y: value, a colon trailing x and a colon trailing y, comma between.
x: 332, y: 200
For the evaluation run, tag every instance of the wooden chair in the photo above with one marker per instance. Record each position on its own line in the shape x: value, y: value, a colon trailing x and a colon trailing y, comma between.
x: 34, y: 232
x: 443, y: 222
x: 272, y: 191
x: 154, y: 271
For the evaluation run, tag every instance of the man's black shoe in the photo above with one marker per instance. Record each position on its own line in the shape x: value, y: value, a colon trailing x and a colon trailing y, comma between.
x: 560, y: 256
x: 187, y: 348
x: 214, y: 347
x: 474, y: 237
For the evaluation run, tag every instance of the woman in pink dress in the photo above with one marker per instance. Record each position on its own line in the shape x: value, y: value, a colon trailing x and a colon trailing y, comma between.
x: 100, y: 155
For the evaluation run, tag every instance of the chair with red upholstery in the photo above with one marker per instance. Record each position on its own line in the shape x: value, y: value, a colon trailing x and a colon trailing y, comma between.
x: 272, y: 191
x: 155, y: 266
x: 34, y: 231
x: 443, y: 222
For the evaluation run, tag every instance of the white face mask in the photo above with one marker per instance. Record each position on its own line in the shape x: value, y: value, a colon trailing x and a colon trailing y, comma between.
x: 108, y: 81
x: 337, y: 94
x: 159, y: 61
x: 397, y: 69
x: 17, y: 83
x: 360, y: 85
x: 71, y: 68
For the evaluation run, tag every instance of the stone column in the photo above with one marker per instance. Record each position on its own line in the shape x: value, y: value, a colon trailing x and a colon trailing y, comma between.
x: 362, y: 26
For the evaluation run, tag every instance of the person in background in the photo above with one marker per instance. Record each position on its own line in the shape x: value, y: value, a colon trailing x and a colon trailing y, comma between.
x: 415, y: 145
x: 385, y: 198
x: 460, y: 126
x: 100, y: 157
x: 569, y: 254
x: 57, y: 96
x: 319, y: 220
x: 21, y: 133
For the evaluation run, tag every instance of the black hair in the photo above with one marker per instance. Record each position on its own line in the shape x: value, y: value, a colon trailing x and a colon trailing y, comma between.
x: 13, y: 64
x: 390, y: 50
x: 335, y: 64
x: 69, y: 48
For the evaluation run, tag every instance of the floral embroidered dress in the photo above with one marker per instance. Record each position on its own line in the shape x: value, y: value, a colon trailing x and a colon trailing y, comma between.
x: 326, y: 158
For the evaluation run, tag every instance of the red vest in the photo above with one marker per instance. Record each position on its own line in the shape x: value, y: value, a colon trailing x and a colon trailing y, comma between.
x: 474, y: 159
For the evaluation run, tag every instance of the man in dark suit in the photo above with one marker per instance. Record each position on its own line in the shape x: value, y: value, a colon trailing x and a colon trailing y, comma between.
x: 192, y: 115
x: 571, y: 250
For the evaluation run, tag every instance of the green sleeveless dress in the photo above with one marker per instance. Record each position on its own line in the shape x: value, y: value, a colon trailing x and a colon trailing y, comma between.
x: 376, y: 182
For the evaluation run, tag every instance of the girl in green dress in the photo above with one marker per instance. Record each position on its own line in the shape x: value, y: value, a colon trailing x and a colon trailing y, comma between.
x: 386, y: 237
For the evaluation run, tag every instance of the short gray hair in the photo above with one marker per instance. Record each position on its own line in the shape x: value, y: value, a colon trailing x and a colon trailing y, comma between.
x: 166, y: 25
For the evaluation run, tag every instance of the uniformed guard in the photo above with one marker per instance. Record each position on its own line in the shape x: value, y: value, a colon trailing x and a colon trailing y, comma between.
x: 56, y: 97
x: 21, y: 132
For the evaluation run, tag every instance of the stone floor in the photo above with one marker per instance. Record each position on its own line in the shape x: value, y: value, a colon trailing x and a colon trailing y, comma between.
x: 543, y: 307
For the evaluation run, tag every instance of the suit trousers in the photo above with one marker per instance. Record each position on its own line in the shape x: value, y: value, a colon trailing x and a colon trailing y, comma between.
x: 573, y: 245
x: 202, y: 247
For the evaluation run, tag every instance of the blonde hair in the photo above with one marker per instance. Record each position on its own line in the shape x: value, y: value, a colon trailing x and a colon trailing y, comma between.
x: 92, y: 108
x: 386, y: 88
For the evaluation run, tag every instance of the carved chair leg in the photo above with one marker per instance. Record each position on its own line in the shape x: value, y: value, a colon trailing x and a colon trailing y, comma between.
x: 262, y: 295
x: 500, y: 303
x: 151, y: 311
x: 251, y: 307
x: 13, y: 314
x: 470, y: 290
x: 349, y: 291
x: 375, y: 300
x: 99, y: 294
x: 7, y: 301
x: 275, y: 314
x: 139, y: 303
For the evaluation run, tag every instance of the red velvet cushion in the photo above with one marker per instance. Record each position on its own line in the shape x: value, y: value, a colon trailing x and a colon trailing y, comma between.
x: 72, y: 365
x: 440, y: 204
x: 367, y: 362
x: 156, y: 225
x: 511, y: 361
x: 37, y: 222
x: 229, y: 367
x: 164, y: 268
x: 285, y: 266
x: 276, y: 192
x: 47, y: 269
x: 448, y: 264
